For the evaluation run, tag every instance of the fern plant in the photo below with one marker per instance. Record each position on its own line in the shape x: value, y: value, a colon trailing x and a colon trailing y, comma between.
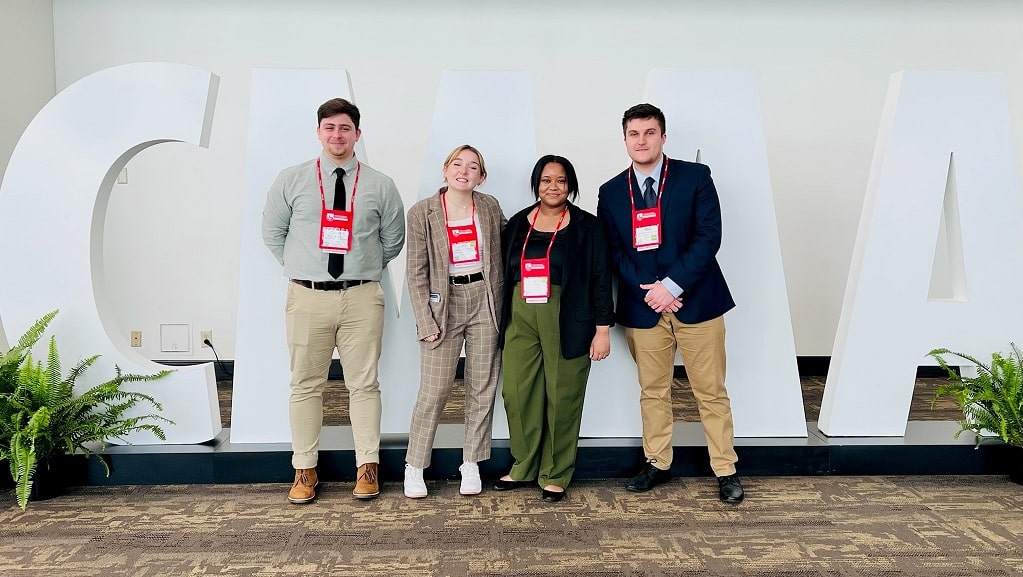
x: 991, y: 401
x: 10, y: 362
x: 10, y: 369
x: 43, y: 417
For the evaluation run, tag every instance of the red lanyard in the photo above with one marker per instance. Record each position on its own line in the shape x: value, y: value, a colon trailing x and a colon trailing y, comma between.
x: 444, y: 203
x: 660, y: 191
x: 355, y: 186
x: 556, y: 229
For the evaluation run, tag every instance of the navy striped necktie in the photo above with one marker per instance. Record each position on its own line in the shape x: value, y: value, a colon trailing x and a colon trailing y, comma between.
x: 649, y: 196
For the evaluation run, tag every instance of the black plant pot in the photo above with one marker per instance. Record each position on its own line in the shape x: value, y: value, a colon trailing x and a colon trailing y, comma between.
x: 1016, y: 465
x: 6, y: 482
x: 49, y: 480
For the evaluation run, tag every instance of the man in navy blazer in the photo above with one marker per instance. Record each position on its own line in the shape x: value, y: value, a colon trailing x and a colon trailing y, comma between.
x: 663, y: 221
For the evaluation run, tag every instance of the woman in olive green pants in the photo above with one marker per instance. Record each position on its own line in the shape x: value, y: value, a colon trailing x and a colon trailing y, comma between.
x: 555, y: 323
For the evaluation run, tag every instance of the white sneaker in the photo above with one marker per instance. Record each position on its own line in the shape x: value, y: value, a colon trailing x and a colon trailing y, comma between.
x: 471, y: 483
x: 415, y: 486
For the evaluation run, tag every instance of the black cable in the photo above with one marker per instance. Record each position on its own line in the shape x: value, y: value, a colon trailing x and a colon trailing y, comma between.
x: 223, y: 367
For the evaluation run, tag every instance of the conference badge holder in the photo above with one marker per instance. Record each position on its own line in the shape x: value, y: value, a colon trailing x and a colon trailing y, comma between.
x: 336, y: 231
x: 646, y: 228
x: 464, y: 244
x: 536, y: 280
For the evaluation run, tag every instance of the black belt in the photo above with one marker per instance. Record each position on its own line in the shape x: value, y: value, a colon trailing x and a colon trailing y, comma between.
x: 330, y: 285
x: 465, y: 278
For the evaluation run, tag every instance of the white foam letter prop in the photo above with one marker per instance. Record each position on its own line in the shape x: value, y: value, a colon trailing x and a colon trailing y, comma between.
x: 717, y: 112
x: 888, y: 321
x: 52, y: 209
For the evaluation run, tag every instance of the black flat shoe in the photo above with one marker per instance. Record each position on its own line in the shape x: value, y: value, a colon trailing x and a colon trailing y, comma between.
x: 552, y: 496
x: 503, y: 485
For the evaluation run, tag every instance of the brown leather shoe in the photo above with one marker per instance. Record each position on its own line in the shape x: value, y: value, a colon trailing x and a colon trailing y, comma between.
x: 367, y: 485
x: 304, y: 489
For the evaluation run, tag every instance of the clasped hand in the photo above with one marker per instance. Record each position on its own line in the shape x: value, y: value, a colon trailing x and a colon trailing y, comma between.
x: 660, y: 299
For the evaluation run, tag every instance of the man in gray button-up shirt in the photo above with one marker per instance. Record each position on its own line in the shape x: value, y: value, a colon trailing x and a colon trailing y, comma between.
x: 325, y: 310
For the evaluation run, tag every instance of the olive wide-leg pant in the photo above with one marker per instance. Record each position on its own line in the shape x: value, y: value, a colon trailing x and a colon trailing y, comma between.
x: 543, y: 393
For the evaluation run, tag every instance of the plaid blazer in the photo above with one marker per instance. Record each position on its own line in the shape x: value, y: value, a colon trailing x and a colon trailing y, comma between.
x: 428, y: 260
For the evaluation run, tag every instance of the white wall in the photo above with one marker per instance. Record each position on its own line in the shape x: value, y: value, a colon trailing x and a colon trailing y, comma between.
x: 822, y: 67
x: 26, y: 59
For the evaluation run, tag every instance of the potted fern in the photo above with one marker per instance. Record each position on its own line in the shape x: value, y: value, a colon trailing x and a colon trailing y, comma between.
x: 42, y: 417
x: 992, y: 401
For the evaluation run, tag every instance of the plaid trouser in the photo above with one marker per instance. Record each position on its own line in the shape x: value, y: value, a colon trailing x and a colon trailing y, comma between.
x: 470, y: 322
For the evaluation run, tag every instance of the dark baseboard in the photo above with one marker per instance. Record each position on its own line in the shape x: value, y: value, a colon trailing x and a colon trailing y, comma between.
x: 928, y: 448
x: 818, y: 367
x: 813, y: 366
x: 224, y: 370
x: 807, y: 366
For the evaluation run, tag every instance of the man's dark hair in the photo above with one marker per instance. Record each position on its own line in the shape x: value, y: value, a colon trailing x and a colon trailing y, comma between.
x: 336, y: 106
x: 573, y: 182
x: 643, y: 111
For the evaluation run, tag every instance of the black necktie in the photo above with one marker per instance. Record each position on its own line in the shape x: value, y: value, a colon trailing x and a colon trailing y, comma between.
x: 649, y: 196
x: 336, y: 262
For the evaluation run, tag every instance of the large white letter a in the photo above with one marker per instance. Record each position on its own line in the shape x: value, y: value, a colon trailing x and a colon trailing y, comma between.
x: 942, y: 183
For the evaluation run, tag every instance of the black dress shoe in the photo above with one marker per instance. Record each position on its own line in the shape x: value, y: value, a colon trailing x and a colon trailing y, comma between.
x: 648, y: 478
x: 730, y: 490
x: 552, y: 496
x: 503, y: 485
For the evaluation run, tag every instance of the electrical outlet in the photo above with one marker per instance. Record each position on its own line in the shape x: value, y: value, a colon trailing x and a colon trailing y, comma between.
x: 136, y: 338
x: 205, y: 336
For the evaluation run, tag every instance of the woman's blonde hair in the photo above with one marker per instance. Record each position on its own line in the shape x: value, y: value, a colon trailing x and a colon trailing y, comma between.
x: 458, y: 150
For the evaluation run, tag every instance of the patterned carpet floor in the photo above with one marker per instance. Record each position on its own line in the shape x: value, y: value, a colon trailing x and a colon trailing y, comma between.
x: 790, y: 526
x: 787, y: 527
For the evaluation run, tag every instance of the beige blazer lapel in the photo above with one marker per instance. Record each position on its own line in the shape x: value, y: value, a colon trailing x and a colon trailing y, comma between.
x: 491, y: 219
x: 440, y: 260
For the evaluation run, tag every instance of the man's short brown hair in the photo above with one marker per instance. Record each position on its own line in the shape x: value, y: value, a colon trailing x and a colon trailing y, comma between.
x: 336, y: 106
x: 643, y: 111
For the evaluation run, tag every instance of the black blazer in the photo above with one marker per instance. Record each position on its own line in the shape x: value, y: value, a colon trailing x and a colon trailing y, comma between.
x: 690, y: 239
x: 585, y: 284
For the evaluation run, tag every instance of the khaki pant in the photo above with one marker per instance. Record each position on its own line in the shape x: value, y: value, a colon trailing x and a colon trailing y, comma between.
x: 703, y: 351
x: 318, y: 321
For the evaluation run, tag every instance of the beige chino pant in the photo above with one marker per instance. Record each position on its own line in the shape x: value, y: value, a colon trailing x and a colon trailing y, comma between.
x: 318, y: 322
x: 703, y: 351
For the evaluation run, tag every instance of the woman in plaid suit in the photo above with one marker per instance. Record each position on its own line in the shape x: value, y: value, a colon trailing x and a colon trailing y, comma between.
x: 456, y: 284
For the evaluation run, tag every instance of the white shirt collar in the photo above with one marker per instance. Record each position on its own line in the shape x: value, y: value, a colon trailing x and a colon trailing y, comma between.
x: 641, y: 177
x: 328, y: 165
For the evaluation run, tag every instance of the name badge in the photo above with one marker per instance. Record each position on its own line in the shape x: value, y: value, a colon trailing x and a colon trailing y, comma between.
x: 464, y: 244
x: 536, y: 280
x: 336, y: 231
x: 646, y: 228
